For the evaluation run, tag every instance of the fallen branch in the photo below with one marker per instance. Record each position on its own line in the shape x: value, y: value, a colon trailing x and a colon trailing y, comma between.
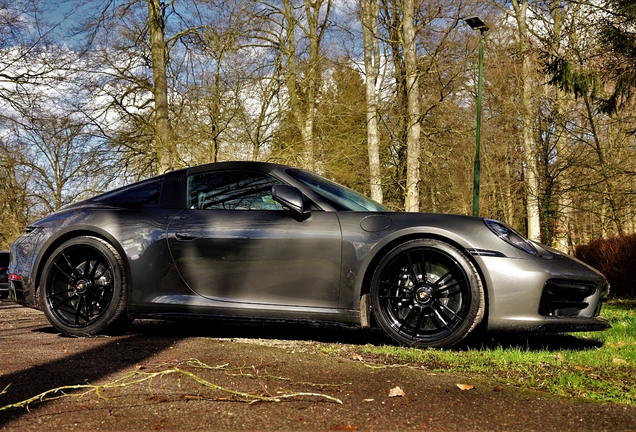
x: 137, y: 377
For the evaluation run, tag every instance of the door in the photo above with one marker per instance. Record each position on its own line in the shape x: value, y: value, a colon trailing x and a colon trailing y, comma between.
x: 234, y: 243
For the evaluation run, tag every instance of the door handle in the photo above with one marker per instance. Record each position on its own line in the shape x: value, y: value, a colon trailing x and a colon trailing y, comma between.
x: 185, y: 236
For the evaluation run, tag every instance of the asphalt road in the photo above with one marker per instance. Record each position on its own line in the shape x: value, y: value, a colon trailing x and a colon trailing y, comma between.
x: 270, y: 361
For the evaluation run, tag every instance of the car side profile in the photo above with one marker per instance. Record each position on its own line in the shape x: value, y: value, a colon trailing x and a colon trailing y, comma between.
x: 261, y: 241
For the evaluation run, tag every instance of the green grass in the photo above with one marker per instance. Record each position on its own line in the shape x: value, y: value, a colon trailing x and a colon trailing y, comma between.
x: 598, y: 366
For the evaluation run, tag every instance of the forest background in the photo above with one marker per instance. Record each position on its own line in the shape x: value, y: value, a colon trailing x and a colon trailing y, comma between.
x: 379, y: 95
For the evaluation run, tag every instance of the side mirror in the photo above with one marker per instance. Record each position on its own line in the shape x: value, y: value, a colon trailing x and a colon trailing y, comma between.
x: 292, y: 198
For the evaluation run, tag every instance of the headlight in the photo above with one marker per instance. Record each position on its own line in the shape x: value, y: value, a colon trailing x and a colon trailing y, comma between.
x: 510, y: 236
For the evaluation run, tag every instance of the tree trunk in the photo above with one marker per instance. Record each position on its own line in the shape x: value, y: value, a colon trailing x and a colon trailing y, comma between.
x: 412, y: 201
x: 163, y: 142
x: 529, y: 150
x: 393, y: 14
x: 304, y: 115
x: 564, y: 200
x: 369, y: 20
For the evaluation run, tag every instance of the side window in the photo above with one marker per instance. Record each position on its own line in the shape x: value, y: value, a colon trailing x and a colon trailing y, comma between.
x: 142, y: 195
x: 231, y: 190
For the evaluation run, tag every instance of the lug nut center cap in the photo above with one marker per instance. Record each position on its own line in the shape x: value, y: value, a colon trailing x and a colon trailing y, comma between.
x: 424, y: 295
x: 81, y: 286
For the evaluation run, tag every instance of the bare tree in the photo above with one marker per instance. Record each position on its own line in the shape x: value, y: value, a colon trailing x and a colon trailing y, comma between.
x: 412, y: 200
x: 369, y: 10
x: 529, y: 147
x: 297, y: 32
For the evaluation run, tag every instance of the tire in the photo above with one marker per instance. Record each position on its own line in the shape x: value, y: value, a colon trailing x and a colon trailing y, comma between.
x: 426, y: 293
x: 83, y: 288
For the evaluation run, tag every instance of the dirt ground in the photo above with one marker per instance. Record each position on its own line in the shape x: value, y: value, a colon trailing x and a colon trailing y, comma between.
x: 272, y: 361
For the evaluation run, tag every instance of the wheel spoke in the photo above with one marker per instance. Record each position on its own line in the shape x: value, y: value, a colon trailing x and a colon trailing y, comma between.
x: 87, y: 264
x: 412, y: 268
x: 397, y: 286
x: 418, y: 323
x: 70, y: 278
x: 395, y: 297
x: 69, y: 264
x: 86, y: 310
x: 62, y: 302
x: 441, y: 279
x: 439, y: 316
x: 94, y: 269
x: 447, y: 287
x: 406, y: 320
x: 426, y: 265
x: 448, y: 309
x: 77, y: 309
x: 59, y: 293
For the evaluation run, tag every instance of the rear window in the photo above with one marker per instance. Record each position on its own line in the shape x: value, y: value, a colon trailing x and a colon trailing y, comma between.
x: 4, y: 259
x: 138, y: 195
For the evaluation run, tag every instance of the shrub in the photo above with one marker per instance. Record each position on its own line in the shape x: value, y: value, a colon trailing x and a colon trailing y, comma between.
x: 616, y: 259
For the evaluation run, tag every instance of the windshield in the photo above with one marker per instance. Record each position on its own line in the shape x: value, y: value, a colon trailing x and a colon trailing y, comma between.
x: 338, y: 196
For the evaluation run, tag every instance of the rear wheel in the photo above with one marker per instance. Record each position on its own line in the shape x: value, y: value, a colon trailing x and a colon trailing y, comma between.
x: 83, y: 288
x: 426, y: 293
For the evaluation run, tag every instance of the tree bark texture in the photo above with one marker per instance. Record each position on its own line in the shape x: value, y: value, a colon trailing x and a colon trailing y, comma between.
x: 369, y: 19
x: 305, y: 115
x: 564, y: 200
x: 164, y: 146
x: 529, y: 150
x: 412, y: 200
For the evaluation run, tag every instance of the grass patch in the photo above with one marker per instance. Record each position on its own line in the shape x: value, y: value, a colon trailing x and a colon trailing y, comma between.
x: 598, y: 366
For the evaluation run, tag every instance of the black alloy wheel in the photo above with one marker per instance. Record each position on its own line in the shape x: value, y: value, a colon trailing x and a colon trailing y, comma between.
x: 426, y: 293
x: 83, y: 287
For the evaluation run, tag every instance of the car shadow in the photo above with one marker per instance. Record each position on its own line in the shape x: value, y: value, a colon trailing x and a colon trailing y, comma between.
x: 337, y: 333
x: 90, y: 366
x: 231, y: 329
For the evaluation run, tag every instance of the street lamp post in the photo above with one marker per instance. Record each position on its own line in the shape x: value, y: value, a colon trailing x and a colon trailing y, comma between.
x: 477, y: 24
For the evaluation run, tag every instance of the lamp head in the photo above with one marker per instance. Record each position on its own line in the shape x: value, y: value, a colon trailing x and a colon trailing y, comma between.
x: 476, y: 23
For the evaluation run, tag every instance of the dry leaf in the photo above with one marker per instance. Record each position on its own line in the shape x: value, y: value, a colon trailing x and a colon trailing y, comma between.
x: 618, y: 361
x: 396, y: 392
x: 356, y: 357
x: 465, y: 386
x: 497, y: 388
x: 617, y: 344
x: 582, y: 368
x: 559, y: 357
x: 346, y: 427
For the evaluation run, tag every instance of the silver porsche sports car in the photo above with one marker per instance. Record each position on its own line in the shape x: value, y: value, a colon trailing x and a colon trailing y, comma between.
x: 263, y: 241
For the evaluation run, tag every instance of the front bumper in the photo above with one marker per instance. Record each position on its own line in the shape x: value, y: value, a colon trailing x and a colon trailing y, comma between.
x: 522, y: 295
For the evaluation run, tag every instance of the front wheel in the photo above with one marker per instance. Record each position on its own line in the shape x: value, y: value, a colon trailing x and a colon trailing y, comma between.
x: 426, y: 293
x: 83, y: 288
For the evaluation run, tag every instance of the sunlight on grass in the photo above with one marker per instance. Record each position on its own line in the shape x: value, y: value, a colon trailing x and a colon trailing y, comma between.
x: 597, y: 366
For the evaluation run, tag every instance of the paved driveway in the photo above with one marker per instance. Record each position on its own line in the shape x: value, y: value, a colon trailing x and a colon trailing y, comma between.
x: 268, y: 361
